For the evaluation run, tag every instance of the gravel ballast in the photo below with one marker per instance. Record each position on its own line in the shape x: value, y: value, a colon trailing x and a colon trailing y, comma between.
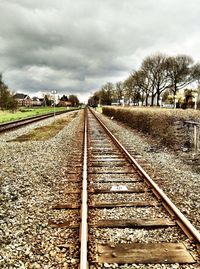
x: 30, y: 175
x: 179, y: 180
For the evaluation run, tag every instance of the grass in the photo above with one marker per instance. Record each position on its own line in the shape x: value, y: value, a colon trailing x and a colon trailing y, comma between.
x: 6, y: 116
x: 46, y: 132
x: 99, y: 109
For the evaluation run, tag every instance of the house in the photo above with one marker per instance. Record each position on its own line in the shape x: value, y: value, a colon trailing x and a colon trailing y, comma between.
x: 64, y: 103
x: 23, y: 99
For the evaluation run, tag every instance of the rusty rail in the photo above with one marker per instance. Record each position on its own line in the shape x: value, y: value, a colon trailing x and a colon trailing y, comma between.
x: 84, y: 206
x: 190, y: 231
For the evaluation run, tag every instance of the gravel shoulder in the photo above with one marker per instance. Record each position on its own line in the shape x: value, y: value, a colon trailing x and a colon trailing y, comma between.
x: 30, y: 175
x: 170, y: 170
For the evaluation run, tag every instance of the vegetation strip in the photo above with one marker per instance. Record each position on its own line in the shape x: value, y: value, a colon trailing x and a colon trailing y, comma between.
x: 45, y: 132
x: 6, y: 116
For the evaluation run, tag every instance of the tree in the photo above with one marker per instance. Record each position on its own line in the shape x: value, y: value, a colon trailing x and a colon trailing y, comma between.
x: 131, y: 89
x: 47, y: 100
x: 7, y: 100
x: 155, y: 67
x: 143, y: 82
x: 106, y: 94
x: 94, y: 100
x: 74, y: 100
x: 64, y: 98
x: 189, y: 95
x: 119, y: 91
x: 11, y: 103
x: 3, y: 93
x: 180, y: 72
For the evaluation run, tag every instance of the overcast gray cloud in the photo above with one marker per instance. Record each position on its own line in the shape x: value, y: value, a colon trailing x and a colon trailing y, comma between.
x: 76, y: 46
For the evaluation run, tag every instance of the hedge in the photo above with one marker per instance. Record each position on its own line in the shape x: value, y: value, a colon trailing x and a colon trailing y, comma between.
x: 165, y: 124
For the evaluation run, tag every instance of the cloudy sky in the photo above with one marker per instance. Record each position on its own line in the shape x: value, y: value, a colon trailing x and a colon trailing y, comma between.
x: 76, y: 46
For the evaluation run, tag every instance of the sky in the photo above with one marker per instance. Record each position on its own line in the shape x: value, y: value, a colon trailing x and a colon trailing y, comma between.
x: 75, y: 47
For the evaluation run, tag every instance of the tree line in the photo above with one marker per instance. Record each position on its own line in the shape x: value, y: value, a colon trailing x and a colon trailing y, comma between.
x: 73, y: 99
x: 158, y: 76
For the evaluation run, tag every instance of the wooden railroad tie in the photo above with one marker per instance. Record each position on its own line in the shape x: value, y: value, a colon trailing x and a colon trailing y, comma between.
x: 104, y: 204
x: 133, y: 223
x: 118, y: 190
x: 144, y: 253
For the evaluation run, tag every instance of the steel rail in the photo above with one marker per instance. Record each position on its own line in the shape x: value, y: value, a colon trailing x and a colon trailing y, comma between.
x: 84, y: 206
x: 180, y: 219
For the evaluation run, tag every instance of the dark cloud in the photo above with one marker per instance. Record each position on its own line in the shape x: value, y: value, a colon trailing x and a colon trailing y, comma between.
x: 79, y: 45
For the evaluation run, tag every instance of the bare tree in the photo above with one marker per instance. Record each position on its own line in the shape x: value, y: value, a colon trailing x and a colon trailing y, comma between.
x: 119, y: 91
x: 128, y: 87
x: 180, y: 70
x: 143, y: 83
x: 131, y: 89
x: 94, y: 100
x: 195, y: 72
x: 154, y: 68
x: 106, y: 94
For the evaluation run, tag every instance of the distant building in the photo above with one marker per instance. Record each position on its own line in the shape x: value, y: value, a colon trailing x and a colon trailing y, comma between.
x: 64, y: 103
x: 23, y: 100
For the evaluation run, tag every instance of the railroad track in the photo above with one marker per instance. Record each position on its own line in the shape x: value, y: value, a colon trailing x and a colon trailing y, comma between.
x: 8, y: 126
x: 125, y: 218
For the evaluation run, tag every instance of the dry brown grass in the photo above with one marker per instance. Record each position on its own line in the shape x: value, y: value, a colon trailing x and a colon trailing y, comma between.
x: 46, y: 132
